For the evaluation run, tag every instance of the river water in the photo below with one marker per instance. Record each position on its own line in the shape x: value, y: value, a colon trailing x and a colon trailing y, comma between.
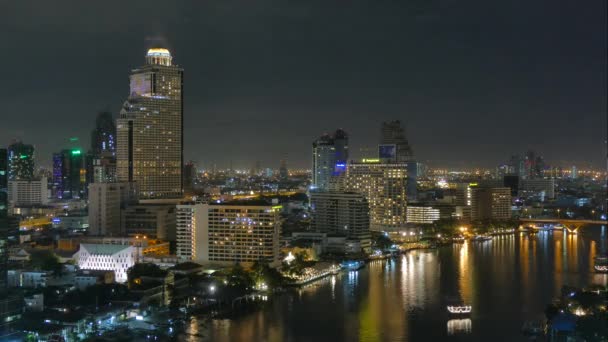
x: 507, y: 281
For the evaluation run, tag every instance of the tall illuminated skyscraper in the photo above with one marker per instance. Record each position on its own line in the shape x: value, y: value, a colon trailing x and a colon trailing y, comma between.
x: 150, y: 126
x: 384, y: 185
x: 20, y: 161
x: 329, y: 158
x: 394, y: 146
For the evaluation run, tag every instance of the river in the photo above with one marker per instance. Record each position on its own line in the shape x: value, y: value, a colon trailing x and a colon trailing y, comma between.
x: 507, y: 281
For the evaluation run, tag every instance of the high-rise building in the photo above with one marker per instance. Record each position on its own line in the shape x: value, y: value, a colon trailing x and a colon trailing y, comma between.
x: 190, y: 218
x: 152, y: 220
x: 20, y: 161
x: 283, y: 173
x: 101, y: 159
x: 28, y: 192
x: 490, y: 203
x: 344, y: 213
x: 573, y: 172
x: 329, y: 158
x: 385, y: 187
x: 323, y: 161
x: 150, y: 126
x: 233, y: 232
x: 4, y: 220
x: 69, y: 174
x: 103, y: 137
x: 394, y: 146
x: 422, y: 214
x: 542, y: 188
x: 189, y: 176
x: 105, y: 203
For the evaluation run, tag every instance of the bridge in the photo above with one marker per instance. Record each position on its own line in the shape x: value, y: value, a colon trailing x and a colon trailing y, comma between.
x: 572, y: 225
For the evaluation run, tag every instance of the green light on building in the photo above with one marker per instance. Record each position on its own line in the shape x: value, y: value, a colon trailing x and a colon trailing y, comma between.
x: 75, y: 152
x: 23, y: 156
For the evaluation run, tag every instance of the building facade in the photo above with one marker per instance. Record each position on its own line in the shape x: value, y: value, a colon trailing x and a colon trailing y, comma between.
x: 344, y: 213
x: 385, y: 187
x: 490, y: 203
x: 108, y: 257
x: 329, y: 158
x: 238, y: 233
x: 150, y: 220
x: 423, y: 214
x: 69, y: 174
x: 190, y: 217
x: 28, y: 192
x: 105, y: 203
x: 150, y: 126
x: 20, y: 161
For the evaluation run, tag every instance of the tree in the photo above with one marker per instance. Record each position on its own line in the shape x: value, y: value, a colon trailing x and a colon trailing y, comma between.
x: 47, y: 261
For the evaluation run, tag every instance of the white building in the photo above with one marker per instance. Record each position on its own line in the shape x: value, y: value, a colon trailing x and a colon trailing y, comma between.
x: 28, y: 192
x: 189, y: 218
x: 422, y: 215
x: 106, y: 257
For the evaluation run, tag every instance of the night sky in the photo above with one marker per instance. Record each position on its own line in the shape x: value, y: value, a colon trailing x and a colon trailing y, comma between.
x: 475, y: 81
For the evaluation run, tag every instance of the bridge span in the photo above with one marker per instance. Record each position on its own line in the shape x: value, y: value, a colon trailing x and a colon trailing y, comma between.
x: 572, y: 225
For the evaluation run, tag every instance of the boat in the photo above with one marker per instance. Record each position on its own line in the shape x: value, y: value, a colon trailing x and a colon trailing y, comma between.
x: 458, y: 308
x: 601, y: 263
x: 482, y: 238
x: 352, y: 265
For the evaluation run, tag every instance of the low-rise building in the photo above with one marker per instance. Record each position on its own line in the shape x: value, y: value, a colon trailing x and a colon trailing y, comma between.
x: 107, y: 257
x: 86, y: 278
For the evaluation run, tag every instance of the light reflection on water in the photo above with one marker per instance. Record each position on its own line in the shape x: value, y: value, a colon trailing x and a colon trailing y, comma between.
x: 507, y: 281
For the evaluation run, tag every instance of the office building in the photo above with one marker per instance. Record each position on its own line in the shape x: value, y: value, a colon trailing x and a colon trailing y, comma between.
x: 343, y: 213
x: 394, y: 146
x: 4, y: 220
x: 422, y: 214
x: 329, y: 158
x: 20, y: 161
x: 190, y: 218
x: 189, y: 176
x: 106, y: 201
x: 236, y: 232
x: 152, y: 220
x: 385, y: 187
x: 489, y: 203
x: 538, y: 187
x: 28, y: 192
x: 69, y: 174
x: 283, y: 172
x: 103, y: 137
x: 150, y: 126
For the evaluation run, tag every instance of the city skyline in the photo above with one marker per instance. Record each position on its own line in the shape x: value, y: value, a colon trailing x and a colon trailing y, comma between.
x: 254, y: 97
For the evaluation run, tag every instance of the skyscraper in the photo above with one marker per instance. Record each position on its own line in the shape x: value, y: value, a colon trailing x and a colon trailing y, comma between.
x: 20, y: 161
x: 103, y: 137
x: 150, y: 126
x: 384, y: 185
x: 323, y: 161
x: 394, y: 146
x: 69, y: 174
x: 329, y: 158
x: 344, y: 213
x: 4, y: 220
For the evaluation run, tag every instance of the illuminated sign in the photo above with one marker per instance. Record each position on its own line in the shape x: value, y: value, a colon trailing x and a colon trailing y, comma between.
x: 76, y: 152
x: 473, y: 184
x: 141, y: 84
x: 375, y: 160
x: 277, y: 207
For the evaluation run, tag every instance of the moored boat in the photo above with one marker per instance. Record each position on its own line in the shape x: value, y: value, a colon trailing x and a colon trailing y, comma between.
x: 601, y: 263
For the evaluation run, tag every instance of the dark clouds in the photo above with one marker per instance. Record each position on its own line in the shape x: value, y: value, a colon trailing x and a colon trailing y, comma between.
x: 474, y: 80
